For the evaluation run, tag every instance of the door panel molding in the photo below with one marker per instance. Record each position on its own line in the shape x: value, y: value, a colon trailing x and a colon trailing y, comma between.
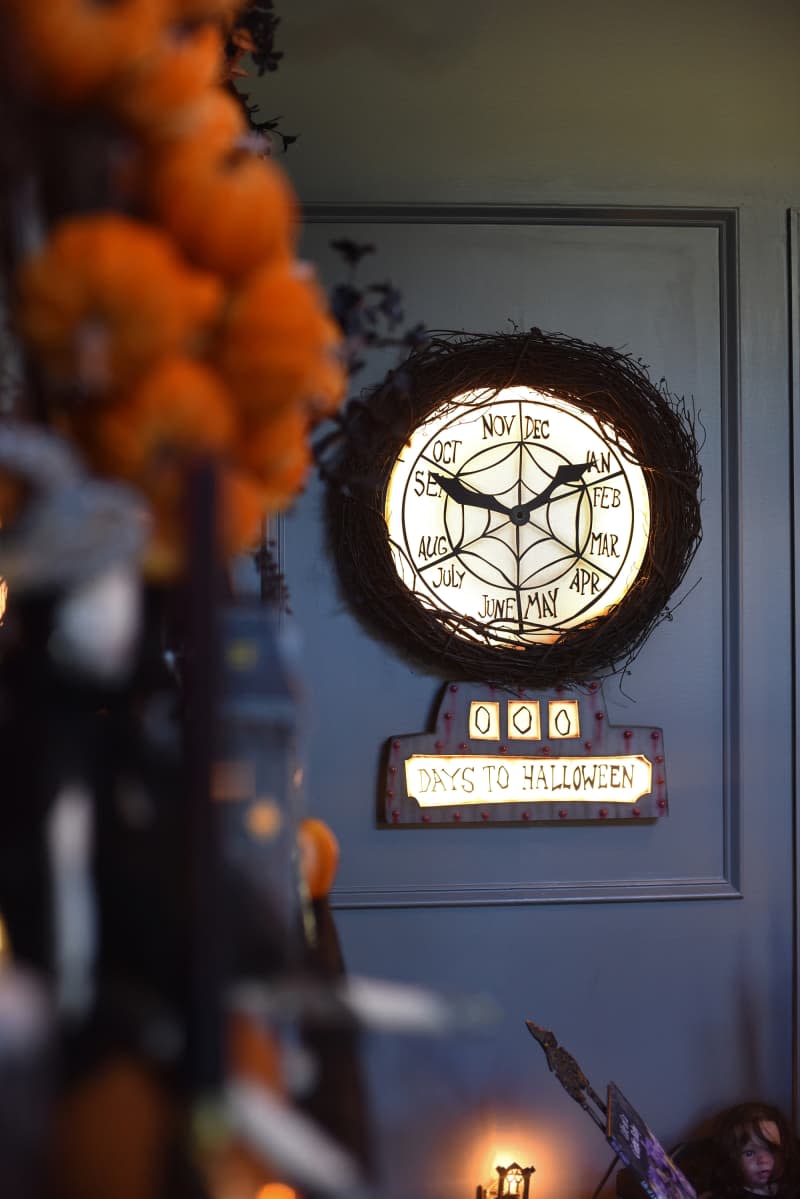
x: 723, y: 223
x: 793, y: 237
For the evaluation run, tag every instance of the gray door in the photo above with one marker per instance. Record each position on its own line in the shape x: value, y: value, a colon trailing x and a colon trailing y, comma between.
x: 658, y: 953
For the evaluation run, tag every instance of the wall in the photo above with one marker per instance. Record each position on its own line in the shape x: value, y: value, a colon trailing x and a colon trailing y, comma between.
x: 685, y: 1002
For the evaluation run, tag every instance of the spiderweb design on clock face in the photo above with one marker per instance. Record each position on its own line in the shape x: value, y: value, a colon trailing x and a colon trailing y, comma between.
x: 521, y: 514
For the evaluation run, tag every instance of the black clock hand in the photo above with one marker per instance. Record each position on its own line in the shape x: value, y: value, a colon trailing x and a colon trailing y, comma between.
x: 566, y: 473
x: 520, y: 514
x: 465, y: 495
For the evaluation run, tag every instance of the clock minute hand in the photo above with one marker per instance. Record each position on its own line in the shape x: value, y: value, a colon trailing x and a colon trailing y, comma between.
x: 567, y: 473
x: 465, y: 495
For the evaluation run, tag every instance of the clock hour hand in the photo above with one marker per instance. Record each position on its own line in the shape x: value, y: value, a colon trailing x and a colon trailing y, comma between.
x: 567, y: 473
x: 465, y: 495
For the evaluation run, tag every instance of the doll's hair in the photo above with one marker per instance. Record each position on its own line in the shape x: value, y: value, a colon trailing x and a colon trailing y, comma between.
x: 734, y: 1128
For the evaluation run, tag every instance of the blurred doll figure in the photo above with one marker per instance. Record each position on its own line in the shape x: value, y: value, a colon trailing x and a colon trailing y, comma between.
x: 755, y: 1153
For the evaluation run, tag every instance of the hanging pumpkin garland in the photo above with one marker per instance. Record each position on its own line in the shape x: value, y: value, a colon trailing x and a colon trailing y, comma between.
x: 108, y: 287
x: 276, y: 345
x: 229, y: 211
x: 182, y: 67
x: 70, y: 50
x: 183, y: 326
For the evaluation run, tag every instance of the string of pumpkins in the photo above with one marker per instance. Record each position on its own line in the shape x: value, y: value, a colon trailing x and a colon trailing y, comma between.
x: 181, y: 319
x: 177, y: 322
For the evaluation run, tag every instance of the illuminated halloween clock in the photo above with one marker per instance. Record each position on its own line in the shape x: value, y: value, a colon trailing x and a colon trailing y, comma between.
x: 519, y: 513
x: 516, y: 508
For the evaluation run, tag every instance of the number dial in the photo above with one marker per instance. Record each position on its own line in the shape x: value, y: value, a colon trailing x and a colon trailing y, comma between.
x: 520, y: 511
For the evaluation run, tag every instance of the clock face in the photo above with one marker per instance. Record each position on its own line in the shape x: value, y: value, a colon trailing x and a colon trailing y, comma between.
x: 519, y: 511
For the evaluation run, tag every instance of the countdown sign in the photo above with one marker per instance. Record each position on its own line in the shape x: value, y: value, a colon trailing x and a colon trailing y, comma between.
x: 497, y: 756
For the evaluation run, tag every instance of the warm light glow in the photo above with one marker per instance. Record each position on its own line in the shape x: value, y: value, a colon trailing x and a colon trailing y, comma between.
x: 5, y: 943
x: 264, y: 819
x: 505, y: 1135
x: 518, y: 510
x: 514, y: 1182
x: 276, y: 1190
x: 441, y: 779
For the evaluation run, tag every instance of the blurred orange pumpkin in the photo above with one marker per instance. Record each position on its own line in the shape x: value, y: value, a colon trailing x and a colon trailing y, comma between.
x: 178, y: 412
x: 180, y: 409
x: 240, y: 510
x: 107, y: 296
x: 276, y: 1190
x: 253, y: 1051
x: 230, y: 212
x: 277, y: 454
x: 277, y: 345
x: 319, y: 856
x: 243, y: 504
x: 205, y: 10
x: 214, y: 120
x: 111, y: 1130
x: 184, y: 63
x: 68, y: 49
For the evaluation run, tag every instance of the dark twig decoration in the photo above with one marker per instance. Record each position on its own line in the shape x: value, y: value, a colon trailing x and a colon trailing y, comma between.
x: 369, y: 314
x: 569, y: 1074
x: 253, y: 34
x: 357, y: 458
